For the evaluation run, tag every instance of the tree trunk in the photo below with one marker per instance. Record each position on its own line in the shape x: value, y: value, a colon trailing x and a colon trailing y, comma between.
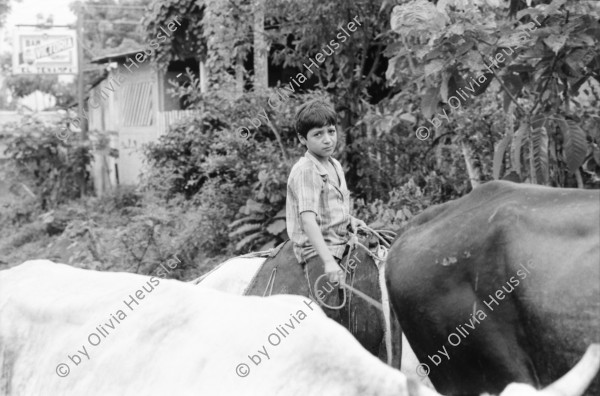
x: 579, y: 179
x: 261, y: 52
x: 239, y: 75
x: 203, y: 76
x: 474, y: 176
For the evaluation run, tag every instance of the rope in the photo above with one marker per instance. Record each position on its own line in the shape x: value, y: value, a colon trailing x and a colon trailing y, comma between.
x: 365, y: 297
x: 323, y: 303
x: 263, y: 253
x: 353, y: 243
x: 352, y: 278
x: 345, y: 287
x: 380, y: 238
x: 385, y: 301
x: 270, y: 282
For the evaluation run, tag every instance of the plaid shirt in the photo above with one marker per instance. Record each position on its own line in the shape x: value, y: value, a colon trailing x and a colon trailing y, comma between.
x: 310, y: 190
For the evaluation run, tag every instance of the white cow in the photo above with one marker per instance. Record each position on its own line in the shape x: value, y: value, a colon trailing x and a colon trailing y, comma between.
x: 127, y: 334
x: 234, y: 276
x: 68, y: 331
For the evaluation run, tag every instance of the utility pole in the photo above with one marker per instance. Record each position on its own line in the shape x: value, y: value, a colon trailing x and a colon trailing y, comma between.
x: 80, y: 94
x: 261, y: 50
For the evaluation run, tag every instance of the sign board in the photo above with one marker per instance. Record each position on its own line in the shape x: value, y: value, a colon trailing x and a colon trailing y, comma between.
x: 45, y: 52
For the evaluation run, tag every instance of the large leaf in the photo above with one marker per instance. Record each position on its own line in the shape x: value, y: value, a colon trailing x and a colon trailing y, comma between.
x: 417, y: 15
x: 429, y: 102
x: 244, y: 229
x: 252, y: 207
x: 268, y: 245
x: 553, y: 7
x: 245, y: 220
x: 276, y: 227
x: 515, y: 149
x: 499, y: 155
x: 480, y: 86
x: 539, y: 141
x: 513, y: 83
x: 575, y: 61
x: 434, y: 66
x: 556, y: 42
x: 394, y: 67
x: 247, y: 241
x: 527, y: 11
x: 574, y: 144
x: 451, y: 84
x: 280, y: 214
x: 445, y: 86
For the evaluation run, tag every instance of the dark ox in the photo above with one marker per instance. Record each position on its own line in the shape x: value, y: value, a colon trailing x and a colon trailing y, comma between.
x: 513, y: 272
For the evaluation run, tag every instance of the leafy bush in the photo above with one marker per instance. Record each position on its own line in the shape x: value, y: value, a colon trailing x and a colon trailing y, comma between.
x: 121, y: 199
x: 54, y: 170
x: 26, y: 234
x: 544, y: 86
x: 407, y: 201
x: 205, y: 161
x: 18, y: 210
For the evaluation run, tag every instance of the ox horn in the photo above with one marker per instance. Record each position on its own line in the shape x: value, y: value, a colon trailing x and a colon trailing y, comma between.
x: 576, y: 381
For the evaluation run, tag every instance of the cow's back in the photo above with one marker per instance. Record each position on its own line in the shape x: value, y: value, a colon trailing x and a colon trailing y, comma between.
x: 178, y: 339
x: 541, y: 244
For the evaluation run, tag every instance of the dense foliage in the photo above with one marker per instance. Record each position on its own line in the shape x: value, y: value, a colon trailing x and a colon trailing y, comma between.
x: 209, y: 191
x: 46, y: 211
x: 110, y: 26
x: 49, y: 168
x: 206, y: 160
x: 543, y: 66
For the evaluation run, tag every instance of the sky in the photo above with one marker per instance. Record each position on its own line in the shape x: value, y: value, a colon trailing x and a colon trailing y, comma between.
x: 25, y: 12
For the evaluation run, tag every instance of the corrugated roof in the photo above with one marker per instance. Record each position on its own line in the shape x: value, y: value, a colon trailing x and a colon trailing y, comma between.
x: 116, y: 56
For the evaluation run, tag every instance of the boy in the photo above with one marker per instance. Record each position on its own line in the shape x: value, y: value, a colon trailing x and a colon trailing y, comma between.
x: 318, y: 200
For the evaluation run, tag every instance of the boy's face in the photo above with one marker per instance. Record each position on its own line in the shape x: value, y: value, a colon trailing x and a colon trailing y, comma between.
x: 320, y: 142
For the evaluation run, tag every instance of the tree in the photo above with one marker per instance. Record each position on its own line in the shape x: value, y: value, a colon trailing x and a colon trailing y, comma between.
x: 188, y: 41
x: 261, y: 50
x: 538, y: 64
x: 5, y: 10
x: 227, y: 28
x: 110, y: 26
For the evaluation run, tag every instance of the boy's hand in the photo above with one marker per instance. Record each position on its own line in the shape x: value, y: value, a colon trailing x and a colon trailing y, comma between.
x: 356, y: 223
x: 334, y: 272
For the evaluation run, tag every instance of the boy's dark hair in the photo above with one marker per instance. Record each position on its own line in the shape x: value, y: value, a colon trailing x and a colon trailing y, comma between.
x: 316, y: 113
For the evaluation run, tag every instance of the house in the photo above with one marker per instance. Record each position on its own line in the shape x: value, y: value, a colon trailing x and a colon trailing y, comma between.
x: 132, y: 106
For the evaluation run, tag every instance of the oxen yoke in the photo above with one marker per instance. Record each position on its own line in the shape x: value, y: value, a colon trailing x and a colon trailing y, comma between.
x: 500, y: 286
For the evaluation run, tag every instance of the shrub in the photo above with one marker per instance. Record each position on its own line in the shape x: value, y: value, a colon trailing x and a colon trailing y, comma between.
x: 54, y: 170
x: 240, y: 183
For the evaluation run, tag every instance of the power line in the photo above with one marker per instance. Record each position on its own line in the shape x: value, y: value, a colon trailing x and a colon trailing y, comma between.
x: 41, y: 25
x: 114, y: 6
x: 116, y: 22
